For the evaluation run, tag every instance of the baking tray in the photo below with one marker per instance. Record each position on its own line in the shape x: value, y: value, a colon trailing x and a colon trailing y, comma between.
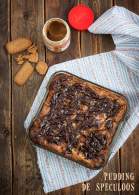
x: 119, y: 127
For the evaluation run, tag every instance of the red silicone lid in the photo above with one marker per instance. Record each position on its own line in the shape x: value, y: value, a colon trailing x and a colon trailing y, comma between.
x: 81, y: 17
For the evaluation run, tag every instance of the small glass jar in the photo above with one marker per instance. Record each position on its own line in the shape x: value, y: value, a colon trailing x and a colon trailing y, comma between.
x: 56, y: 35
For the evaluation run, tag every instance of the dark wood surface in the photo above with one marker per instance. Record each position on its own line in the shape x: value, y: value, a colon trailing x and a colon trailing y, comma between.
x: 19, y: 174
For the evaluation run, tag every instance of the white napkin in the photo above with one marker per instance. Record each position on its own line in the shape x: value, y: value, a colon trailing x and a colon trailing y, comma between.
x: 117, y: 70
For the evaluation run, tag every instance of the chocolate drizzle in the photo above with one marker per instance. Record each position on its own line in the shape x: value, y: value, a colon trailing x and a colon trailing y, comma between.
x: 74, y: 112
x: 93, y: 145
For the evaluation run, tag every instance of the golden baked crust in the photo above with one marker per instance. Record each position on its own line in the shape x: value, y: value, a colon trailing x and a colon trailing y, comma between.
x: 78, y: 120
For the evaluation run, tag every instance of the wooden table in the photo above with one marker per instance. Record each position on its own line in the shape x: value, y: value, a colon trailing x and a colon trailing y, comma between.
x: 19, y: 174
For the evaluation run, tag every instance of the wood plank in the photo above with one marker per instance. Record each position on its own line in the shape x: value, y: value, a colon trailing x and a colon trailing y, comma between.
x: 92, y: 44
x: 129, y: 152
x: 27, y: 18
x: 60, y: 8
x: 131, y: 5
x: 5, y: 104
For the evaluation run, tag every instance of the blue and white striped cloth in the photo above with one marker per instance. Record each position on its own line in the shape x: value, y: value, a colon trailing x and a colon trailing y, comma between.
x: 117, y: 70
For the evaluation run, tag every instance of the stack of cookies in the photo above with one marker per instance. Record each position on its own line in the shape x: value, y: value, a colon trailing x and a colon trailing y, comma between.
x: 26, y: 56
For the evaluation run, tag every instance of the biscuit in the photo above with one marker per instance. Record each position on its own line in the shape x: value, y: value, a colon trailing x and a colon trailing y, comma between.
x: 24, y: 73
x: 18, y: 45
x: 41, y: 67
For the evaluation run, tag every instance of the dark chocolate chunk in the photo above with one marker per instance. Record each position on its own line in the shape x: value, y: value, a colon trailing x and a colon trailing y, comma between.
x: 93, y: 145
x: 109, y: 123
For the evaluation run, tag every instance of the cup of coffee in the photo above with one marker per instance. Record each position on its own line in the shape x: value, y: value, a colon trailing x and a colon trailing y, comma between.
x: 56, y: 34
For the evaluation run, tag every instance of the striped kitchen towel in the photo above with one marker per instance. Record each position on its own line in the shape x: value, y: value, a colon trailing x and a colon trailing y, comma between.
x: 117, y: 70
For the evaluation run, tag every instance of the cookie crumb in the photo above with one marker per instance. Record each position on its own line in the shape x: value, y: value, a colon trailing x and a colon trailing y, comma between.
x: 32, y: 57
x: 19, y: 59
x: 32, y: 49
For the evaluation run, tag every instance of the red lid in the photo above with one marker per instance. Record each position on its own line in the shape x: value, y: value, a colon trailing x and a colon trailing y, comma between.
x: 81, y: 17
